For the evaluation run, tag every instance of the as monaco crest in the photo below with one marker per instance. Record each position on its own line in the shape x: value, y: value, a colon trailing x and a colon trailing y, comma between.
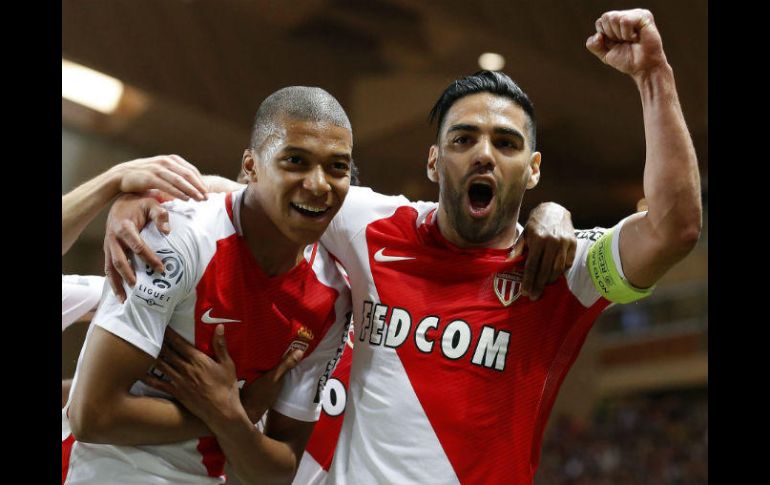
x: 507, y: 287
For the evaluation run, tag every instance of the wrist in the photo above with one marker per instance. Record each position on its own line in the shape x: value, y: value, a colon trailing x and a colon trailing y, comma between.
x: 654, y: 78
x: 226, y: 413
x: 227, y: 419
x: 114, y: 176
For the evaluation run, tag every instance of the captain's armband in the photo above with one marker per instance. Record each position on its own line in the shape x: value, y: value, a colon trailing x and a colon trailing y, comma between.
x: 607, y: 277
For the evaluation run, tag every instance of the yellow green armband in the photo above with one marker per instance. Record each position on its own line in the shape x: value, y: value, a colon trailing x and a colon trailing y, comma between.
x: 606, y: 276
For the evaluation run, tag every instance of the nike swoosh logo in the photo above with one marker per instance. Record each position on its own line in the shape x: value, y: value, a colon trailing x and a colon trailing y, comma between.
x: 207, y: 318
x: 379, y: 257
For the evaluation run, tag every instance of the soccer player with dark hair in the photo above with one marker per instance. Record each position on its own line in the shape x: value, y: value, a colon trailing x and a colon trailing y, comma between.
x: 453, y: 373
x: 248, y: 260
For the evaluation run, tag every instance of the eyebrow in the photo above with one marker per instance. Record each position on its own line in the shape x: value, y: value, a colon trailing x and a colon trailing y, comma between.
x: 295, y: 149
x: 500, y: 130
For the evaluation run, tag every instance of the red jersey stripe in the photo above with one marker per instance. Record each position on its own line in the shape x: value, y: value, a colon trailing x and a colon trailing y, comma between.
x: 66, y: 450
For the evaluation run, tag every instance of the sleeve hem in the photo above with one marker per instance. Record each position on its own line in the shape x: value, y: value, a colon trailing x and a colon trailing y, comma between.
x: 297, y: 412
x: 131, y: 336
x: 616, y: 258
x: 602, y: 261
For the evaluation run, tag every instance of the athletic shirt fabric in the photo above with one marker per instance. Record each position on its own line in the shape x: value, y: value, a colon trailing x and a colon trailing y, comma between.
x: 210, y: 277
x: 447, y: 383
x: 79, y: 295
x: 314, y: 465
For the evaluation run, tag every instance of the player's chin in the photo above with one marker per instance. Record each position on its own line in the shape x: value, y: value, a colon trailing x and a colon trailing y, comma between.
x: 304, y: 235
x: 310, y: 229
x: 478, y: 230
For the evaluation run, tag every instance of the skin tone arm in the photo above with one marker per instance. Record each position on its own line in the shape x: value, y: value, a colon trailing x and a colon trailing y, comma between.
x: 650, y: 244
x: 169, y: 174
x: 103, y: 411
x: 548, y: 234
x: 208, y: 388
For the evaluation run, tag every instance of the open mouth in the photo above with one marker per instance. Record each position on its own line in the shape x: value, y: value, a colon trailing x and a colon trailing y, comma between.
x: 480, y: 195
x: 309, y: 210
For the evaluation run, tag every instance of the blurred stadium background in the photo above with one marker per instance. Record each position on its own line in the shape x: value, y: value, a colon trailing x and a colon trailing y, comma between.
x: 634, y: 408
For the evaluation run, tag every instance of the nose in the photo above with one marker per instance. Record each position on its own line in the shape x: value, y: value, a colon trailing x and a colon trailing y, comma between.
x: 483, y: 157
x: 315, y: 181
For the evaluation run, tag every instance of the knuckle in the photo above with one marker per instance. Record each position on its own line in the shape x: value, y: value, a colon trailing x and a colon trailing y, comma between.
x: 126, y: 226
x: 121, y: 268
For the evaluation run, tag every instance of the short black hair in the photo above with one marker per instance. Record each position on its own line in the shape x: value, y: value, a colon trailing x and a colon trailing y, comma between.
x: 494, y: 82
x: 301, y: 103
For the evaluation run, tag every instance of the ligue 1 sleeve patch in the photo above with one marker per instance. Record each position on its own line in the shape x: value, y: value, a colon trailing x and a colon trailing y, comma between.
x: 605, y: 274
x: 155, y: 288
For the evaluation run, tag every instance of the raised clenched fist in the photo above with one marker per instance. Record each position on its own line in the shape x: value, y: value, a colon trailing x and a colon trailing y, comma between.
x: 629, y: 41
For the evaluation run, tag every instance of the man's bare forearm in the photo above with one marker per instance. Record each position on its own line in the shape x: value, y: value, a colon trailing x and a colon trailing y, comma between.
x: 103, y: 411
x: 81, y: 205
x: 139, y: 420
x: 216, y: 183
x: 671, y: 179
x: 651, y: 245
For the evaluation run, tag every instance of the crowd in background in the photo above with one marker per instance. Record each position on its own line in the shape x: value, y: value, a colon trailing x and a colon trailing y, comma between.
x: 657, y: 439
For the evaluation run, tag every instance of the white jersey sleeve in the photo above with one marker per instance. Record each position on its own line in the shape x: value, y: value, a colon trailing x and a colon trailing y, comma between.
x: 153, y: 301
x: 598, y: 268
x: 79, y: 295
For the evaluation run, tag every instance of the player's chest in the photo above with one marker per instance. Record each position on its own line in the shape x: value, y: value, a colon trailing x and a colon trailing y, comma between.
x: 262, y: 316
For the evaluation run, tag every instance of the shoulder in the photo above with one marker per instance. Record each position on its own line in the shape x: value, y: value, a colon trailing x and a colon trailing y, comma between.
x: 200, y: 216
x: 194, y: 224
x: 363, y: 205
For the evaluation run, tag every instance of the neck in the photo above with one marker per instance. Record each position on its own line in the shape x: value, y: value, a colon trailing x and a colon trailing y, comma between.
x: 275, y: 253
x: 504, y: 239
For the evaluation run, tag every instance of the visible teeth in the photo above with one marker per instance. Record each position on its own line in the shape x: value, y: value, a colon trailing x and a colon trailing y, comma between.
x: 310, y: 208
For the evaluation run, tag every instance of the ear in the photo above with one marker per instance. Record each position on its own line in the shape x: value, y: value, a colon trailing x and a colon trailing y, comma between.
x: 248, y: 165
x: 534, y: 170
x: 432, y: 161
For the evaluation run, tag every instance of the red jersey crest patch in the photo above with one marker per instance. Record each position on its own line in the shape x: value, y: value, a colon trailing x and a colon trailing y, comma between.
x: 507, y: 287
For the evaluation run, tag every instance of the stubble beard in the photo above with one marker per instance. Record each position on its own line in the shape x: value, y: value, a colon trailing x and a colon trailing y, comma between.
x: 479, y: 231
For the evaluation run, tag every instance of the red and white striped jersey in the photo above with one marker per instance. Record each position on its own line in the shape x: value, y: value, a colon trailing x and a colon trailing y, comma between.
x: 211, y: 277
x: 454, y: 373
x: 319, y: 451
